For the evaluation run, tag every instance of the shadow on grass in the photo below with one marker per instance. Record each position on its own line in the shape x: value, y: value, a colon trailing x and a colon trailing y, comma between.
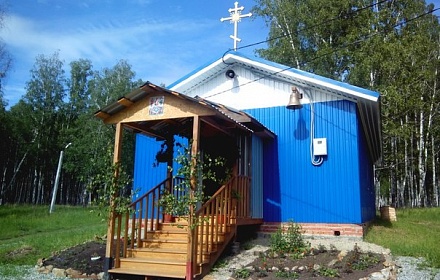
x: 378, y: 221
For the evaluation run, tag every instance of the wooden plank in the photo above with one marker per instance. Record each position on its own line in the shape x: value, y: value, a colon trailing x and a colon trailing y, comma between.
x: 125, y: 102
x: 111, y: 227
x: 152, y: 272
x: 173, y: 107
x: 102, y: 115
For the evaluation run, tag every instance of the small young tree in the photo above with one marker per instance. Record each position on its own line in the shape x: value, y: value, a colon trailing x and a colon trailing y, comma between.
x: 112, y: 187
x: 192, y: 169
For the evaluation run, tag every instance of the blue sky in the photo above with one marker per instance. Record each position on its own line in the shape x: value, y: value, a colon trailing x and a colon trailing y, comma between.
x: 162, y: 40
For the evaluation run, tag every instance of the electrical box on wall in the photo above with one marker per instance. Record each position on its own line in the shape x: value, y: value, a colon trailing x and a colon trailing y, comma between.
x: 320, y: 146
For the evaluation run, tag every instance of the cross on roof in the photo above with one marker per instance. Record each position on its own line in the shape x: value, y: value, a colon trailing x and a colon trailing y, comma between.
x: 235, y: 17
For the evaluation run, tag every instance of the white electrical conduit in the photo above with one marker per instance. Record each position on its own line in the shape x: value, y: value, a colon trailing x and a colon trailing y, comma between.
x: 316, y: 161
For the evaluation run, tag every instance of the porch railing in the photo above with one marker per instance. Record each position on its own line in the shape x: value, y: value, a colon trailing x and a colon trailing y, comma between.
x: 216, y: 219
x: 145, y: 215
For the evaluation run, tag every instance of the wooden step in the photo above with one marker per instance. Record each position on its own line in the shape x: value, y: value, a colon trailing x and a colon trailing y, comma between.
x: 176, y: 235
x: 144, y: 272
x: 175, y: 244
x: 167, y: 234
x: 150, y: 265
x: 158, y: 253
x: 173, y: 227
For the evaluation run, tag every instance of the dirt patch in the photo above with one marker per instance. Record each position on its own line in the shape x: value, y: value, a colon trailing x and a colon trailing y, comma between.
x: 86, y: 258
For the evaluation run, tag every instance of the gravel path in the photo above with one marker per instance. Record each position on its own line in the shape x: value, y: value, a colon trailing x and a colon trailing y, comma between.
x: 408, y: 266
x: 409, y: 270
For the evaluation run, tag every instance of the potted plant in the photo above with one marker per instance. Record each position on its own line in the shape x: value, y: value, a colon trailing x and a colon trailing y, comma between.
x: 191, y: 169
x: 168, y: 202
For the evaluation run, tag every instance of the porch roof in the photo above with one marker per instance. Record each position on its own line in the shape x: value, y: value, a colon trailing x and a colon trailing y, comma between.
x: 132, y: 110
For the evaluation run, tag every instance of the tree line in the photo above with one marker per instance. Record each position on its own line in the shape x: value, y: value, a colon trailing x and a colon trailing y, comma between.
x: 392, y: 47
x: 57, y: 110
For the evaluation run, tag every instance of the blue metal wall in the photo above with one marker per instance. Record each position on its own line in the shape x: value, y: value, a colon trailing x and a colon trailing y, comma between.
x: 257, y: 183
x: 147, y: 172
x: 296, y: 190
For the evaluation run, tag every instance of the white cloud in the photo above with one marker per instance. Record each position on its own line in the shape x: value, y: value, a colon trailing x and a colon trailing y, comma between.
x: 100, y: 43
x: 161, y: 48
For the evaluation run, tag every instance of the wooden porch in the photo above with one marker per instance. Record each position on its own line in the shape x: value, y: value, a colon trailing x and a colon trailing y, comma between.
x: 146, y: 245
x: 143, y: 244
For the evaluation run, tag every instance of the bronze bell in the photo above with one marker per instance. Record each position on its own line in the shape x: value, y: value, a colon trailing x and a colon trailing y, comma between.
x: 294, y: 103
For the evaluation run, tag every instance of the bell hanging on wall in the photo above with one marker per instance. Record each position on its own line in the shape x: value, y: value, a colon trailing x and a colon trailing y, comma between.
x: 294, y: 103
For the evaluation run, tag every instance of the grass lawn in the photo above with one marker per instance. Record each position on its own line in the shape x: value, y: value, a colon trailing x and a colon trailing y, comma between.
x: 28, y: 233
x: 416, y: 233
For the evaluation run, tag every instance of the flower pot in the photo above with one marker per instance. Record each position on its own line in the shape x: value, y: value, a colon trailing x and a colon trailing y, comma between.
x: 168, y: 218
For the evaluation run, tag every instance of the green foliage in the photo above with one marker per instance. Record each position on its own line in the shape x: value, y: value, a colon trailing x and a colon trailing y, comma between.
x: 357, y: 260
x: 289, y: 242
x: 113, y: 189
x: 328, y: 272
x: 286, y: 274
x: 195, y: 171
x: 168, y: 202
x: 221, y: 263
x: 242, y: 273
x: 365, y: 261
x: 413, y: 234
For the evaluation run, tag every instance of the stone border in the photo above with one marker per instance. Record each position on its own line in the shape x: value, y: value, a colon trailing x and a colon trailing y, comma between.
x: 70, y: 273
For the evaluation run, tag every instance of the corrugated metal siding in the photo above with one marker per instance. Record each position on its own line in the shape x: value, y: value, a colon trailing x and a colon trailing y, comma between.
x: 367, y: 189
x: 306, y: 193
x: 257, y: 178
x: 146, y: 175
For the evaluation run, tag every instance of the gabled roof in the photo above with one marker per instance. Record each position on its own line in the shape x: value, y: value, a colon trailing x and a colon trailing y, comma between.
x: 126, y: 108
x: 368, y: 102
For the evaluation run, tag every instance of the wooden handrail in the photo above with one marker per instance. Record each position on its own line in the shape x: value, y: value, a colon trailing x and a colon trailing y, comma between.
x: 145, y: 215
x: 218, y: 215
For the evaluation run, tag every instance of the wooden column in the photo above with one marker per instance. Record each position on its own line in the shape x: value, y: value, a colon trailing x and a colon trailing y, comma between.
x: 108, y: 264
x: 190, y: 257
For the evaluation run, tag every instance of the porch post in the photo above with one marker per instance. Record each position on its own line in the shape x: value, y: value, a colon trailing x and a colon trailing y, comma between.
x: 190, y: 256
x: 108, y: 264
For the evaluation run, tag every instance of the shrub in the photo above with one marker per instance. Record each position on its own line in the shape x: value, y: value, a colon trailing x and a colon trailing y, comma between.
x: 290, y: 241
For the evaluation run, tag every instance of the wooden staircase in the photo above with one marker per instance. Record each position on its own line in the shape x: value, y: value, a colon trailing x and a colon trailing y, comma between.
x: 161, y: 254
x: 150, y: 248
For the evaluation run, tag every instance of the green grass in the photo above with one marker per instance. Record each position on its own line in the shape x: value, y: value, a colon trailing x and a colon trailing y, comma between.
x: 416, y: 233
x: 28, y: 233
